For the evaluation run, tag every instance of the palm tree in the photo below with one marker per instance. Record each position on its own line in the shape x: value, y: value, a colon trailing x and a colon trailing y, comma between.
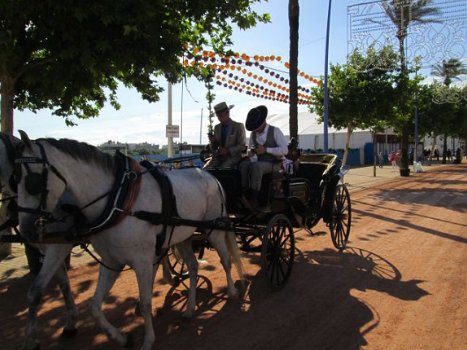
x: 448, y: 70
x: 294, y: 11
x: 403, y: 13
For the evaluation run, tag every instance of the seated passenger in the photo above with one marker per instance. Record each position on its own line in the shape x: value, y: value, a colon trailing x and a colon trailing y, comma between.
x: 229, y: 137
x: 267, y: 148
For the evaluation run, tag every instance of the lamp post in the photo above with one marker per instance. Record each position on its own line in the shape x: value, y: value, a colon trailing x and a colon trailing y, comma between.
x: 326, y: 92
x: 170, y: 145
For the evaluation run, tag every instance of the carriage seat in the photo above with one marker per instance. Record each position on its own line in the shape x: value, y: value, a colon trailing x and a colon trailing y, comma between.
x: 314, y: 166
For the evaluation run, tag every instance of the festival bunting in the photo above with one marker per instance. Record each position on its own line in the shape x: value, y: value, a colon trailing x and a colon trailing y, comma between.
x: 251, y: 74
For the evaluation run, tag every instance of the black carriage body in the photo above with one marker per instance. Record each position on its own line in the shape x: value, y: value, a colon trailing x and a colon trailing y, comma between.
x: 304, y: 197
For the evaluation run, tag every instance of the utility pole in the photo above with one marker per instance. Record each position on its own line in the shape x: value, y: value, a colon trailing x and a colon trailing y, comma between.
x: 326, y: 92
x: 170, y: 142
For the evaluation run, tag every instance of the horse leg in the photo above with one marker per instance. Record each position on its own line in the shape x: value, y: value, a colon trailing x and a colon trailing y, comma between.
x: 186, y: 252
x: 167, y: 276
x: 72, y: 313
x: 218, y: 239
x: 105, y: 282
x: 145, y: 278
x: 235, y: 254
x: 54, y: 258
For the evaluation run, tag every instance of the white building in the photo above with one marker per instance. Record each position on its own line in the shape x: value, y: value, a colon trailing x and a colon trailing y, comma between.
x: 310, y: 134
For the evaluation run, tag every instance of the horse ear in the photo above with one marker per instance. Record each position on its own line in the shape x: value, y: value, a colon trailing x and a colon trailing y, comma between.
x: 25, y: 138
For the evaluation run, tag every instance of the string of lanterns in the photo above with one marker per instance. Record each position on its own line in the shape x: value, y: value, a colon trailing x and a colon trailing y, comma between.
x: 270, y: 87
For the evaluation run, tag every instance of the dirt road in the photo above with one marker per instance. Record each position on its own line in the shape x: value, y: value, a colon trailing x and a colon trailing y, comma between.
x: 401, y: 284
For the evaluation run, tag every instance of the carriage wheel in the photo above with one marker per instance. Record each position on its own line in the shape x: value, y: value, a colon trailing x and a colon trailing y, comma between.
x: 341, y: 217
x: 177, y: 265
x: 277, y: 251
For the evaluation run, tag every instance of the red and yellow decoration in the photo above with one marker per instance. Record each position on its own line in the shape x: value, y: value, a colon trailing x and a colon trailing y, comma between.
x: 250, y: 75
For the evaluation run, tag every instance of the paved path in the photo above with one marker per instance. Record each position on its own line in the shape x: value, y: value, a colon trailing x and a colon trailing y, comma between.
x: 400, y: 284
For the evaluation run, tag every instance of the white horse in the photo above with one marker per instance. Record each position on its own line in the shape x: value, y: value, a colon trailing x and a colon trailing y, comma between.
x: 53, y: 264
x: 57, y: 169
x: 54, y: 258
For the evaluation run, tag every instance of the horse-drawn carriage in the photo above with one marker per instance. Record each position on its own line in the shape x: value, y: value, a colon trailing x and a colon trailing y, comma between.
x: 315, y: 190
x: 114, y: 204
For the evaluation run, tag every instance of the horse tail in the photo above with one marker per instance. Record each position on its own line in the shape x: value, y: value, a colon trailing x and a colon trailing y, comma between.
x: 235, y: 253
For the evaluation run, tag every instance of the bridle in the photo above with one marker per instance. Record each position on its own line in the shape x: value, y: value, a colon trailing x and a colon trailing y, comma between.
x: 36, y: 184
x: 120, y: 198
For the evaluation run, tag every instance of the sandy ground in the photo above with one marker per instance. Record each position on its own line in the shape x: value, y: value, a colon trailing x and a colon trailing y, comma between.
x: 399, y: 285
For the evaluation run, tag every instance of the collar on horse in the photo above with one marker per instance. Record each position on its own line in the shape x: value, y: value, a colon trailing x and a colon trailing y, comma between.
x: 120, y: 199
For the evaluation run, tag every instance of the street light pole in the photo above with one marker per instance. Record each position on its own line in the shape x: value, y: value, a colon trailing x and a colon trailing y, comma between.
x: 170, y: 145
x: 326, y: 92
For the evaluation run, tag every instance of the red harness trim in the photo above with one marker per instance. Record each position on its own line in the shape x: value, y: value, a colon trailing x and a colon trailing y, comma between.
x: 133, y: 191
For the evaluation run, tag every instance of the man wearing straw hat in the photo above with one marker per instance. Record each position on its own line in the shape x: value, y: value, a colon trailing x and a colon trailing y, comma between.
x: 267, y: 148
x: 229, y: 135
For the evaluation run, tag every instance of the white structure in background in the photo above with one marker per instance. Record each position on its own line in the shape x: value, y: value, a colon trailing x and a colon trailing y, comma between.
x: 310, y: 133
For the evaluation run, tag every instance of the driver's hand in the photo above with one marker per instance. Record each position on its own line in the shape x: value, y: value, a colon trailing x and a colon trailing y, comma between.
x: 260, y: 149
x: 223, y: 151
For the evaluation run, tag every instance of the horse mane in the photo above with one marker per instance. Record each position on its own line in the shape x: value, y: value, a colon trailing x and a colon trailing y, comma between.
x: 83, y: 151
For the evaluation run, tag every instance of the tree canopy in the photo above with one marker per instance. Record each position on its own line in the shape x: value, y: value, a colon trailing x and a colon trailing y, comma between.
x: 360, y: 91
x: 70, y: 56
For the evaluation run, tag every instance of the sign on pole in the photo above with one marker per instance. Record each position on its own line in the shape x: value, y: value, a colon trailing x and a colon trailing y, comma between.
x: 172, y: 131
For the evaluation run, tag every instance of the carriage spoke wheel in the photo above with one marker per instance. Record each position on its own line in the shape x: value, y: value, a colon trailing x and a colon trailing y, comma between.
x: 277, y: 251
x: 177, y: 265
x: 341, y: 217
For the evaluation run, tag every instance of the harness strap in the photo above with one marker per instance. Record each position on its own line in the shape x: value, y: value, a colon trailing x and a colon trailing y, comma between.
x: 122, y: 197
x: 169, y: 204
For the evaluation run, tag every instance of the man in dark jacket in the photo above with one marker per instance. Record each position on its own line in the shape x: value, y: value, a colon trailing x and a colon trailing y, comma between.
x: 229, y: 139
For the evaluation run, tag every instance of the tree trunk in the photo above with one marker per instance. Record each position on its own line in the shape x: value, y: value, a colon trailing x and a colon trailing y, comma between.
x: 433, y: 145
x: 347, y: 143
x: 5, y: 248
x: 294, y: 12
x: 404, y: 165
x: 7, y: 96
x: 445, y: 147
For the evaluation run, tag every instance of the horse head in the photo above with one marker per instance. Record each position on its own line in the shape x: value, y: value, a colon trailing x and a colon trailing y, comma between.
x: 39, y: 185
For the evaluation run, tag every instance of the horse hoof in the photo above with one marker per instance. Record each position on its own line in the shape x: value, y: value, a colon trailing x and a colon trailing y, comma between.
x: 69, y: 333
x: 130, y: 341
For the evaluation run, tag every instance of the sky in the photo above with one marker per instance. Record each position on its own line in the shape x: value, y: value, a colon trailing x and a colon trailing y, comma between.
x: 139, y: 121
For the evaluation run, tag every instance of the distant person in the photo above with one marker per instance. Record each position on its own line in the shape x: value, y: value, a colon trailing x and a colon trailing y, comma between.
x: 228, y: 139
x: 436, y: 154
x: 267, y: 148
x: 398, y: 158
x: 380, y: 159
x: 449, y: 155
x: 458, y: 158
x: 392, y: 159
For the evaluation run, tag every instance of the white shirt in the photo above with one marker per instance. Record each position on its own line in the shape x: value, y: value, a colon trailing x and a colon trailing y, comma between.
x: 282, y: 144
